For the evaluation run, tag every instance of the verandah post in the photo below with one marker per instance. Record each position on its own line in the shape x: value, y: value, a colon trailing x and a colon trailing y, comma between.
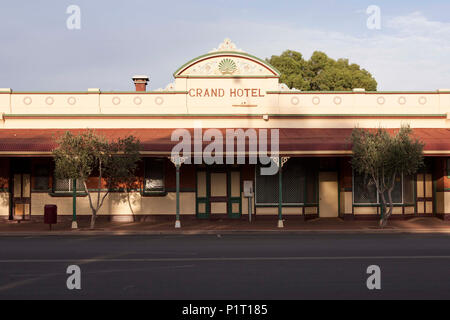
x: 74, y: 204
x: 177, y: 161
x: 177, y: 221
x: 280, y: 194
x: 280, y: 162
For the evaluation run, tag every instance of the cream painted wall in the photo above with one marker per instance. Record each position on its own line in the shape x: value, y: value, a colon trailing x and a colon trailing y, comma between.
x: 116, y: 204
x: 4, y: 204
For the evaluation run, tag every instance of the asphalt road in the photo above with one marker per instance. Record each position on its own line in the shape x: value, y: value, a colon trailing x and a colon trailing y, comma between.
x: 258, y: 266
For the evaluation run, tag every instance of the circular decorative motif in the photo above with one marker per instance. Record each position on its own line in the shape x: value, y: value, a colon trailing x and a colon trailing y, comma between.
x: 116, y: 100
x: 137, y: 100
x: 49, y: 100
x: 381, y: 100
x: 159, y: 100
x: 295, y: 100
x: 227, y: 66
x: 422, y: 100
x: 402, y: 100
x: 71, y: 100
x: 27, y: 100
x: 316, y: 100
x: 337, y: 100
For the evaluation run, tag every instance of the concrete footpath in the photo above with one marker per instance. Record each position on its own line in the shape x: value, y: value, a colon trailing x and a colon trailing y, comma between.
x: 224, y: 226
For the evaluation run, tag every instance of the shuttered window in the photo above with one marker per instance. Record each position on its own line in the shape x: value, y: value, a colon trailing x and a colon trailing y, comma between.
x: 299, y: 183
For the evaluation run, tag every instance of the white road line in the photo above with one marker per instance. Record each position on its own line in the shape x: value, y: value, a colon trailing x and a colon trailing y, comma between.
x: 194, y: 259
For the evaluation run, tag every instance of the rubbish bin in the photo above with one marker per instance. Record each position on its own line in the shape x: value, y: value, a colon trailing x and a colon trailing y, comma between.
x: 50, y: 214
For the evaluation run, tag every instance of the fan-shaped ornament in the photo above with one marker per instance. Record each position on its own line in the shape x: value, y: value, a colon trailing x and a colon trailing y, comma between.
x: 227, y: 66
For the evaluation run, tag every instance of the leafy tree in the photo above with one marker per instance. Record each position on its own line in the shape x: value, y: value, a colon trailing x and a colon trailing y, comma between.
x: 80, y: 156
x: 382, y: 157
x: 321, y: 73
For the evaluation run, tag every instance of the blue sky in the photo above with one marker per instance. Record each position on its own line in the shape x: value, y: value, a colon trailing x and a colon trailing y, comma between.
x: 118, y: 39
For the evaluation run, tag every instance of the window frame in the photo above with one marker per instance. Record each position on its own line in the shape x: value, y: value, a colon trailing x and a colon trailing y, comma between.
x: 162, y: 192
x: 378, y: 203
x: 35, y: 177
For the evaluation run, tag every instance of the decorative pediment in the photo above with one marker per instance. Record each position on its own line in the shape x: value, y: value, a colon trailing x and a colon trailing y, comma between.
x: 226, y: 61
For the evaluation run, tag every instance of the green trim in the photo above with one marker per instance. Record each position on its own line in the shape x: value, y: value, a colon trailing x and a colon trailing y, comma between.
x: 352, y: 92
x: 226, y: 76
x: 99, y: 92
x: 379, y: 205
x: 225, y: 53
x: 229, y: 76
x: 67, y: 194
x: 154, y: 193
x: 288, y: 205
x: 288, y: 115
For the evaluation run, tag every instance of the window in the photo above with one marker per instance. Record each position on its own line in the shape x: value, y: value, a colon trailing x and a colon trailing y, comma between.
x: 365, y: 191
x: 448, y: 167
x: 41, y: 173
x: 154, y: 176
x: 66, y: 186
x: 299, y: 183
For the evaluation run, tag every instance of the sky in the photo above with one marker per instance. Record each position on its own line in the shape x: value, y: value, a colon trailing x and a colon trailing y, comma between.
x: 117, y: 39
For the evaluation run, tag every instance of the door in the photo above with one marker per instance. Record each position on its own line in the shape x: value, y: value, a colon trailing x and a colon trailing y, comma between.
x: 218, y: 192
x: 218, y: 198
x: 21, y: 196
x: 328, y: 195
x: 234, y: 192
x: 424, y: 189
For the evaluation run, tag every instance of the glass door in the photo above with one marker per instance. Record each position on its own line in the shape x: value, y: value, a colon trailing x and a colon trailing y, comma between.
x: 21, y: 196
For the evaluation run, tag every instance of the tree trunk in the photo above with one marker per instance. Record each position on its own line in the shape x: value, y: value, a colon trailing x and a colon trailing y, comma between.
x: 131, y: 207
x: 93, y: 217
x: 383, y: 220
x: 391, y: 205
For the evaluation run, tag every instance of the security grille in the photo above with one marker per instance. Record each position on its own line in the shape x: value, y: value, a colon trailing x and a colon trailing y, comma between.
x: 299, y: 183
x: 364, y: 190
x: 66, y: 185
x: 266, y: 187
x: 293, y: 182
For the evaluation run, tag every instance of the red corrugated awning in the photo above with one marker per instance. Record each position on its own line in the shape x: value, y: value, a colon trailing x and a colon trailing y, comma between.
x: 330, y: 141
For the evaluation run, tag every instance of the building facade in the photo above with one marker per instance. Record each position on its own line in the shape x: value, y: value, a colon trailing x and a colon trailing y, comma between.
x: 224, y: 89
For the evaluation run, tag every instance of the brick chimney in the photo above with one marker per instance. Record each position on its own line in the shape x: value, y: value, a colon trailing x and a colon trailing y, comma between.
x: 140, y: 81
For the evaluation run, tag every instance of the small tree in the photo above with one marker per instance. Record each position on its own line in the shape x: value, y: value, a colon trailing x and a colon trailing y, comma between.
x: 382, y: 157
x: 80, y: 156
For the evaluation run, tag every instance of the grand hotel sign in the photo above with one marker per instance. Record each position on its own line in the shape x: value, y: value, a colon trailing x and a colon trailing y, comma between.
x: 226, y: 72
x: 221, y: 92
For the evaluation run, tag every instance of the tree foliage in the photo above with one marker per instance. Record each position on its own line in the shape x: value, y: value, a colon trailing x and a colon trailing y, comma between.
x: 382, y: 157
x: 81, y: 156
x: 321, y: 73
